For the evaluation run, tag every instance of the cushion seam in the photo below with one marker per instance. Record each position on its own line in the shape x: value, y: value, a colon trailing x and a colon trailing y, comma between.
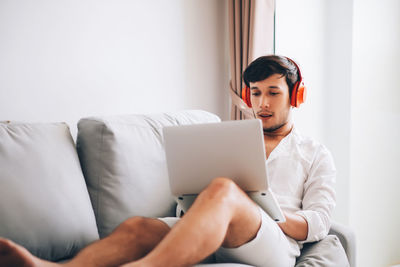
x: 98, y: 175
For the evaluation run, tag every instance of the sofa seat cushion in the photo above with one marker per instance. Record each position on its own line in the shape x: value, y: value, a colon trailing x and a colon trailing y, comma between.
x: 44, y: 202
x: 328, y: 252
x: 124, y: 164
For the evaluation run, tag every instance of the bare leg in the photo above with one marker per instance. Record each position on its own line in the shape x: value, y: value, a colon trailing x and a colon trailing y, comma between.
x: 221, y: 215
x: 130, y: 241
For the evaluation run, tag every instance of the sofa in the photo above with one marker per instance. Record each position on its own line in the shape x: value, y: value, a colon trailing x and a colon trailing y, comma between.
x: 57, y: 195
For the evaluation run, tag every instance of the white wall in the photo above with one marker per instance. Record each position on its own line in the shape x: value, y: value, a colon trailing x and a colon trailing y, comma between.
x: 303, y: 41
x: 337, y: 101
x: 308, y: 32
x: 353, y: 49
x: 64, y: 60
x: 375, y: 144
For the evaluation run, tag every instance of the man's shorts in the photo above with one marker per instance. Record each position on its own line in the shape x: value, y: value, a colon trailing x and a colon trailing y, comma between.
x: 271, y: 247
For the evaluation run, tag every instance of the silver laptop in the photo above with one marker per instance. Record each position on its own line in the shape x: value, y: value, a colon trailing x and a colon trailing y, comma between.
x: 198, y: 153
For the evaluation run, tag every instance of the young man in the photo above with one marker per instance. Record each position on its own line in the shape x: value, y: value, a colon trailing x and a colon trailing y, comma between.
x: 223, y: 219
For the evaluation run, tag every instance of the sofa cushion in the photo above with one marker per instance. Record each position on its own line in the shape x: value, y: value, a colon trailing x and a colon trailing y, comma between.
x: 44, y: 202
x: 124, y: 164
x: 328, y: 252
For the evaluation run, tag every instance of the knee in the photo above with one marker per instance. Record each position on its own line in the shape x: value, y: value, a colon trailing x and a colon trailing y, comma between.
x: 141, y: 228
x: 132, y: 224
x: 5, y: 244
x: 223, y: 184
x: 222, y: 189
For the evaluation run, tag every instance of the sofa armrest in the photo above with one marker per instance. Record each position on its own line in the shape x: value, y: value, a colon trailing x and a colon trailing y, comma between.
x: 347, y: 238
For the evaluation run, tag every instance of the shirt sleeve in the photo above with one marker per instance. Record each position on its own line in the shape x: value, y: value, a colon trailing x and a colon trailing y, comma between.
x: 319, y: 198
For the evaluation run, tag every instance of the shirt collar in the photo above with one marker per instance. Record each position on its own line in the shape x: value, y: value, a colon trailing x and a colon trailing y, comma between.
x: 293, y: 136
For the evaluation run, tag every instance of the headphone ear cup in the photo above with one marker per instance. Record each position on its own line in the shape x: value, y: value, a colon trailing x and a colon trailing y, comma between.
x: 246, y: 96
x: 298, y: 95
x: 293, y: 97
x: 301, y: 95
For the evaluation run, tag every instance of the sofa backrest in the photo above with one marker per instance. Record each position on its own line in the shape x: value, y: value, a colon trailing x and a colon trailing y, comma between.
x: 44, y: 202
x: 124, y: 164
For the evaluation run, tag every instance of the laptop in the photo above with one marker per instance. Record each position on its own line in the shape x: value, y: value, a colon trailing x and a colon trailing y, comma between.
x: 198, y: 153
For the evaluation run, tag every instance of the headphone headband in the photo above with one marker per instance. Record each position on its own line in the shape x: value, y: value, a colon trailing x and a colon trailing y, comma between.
x: 300, y: 78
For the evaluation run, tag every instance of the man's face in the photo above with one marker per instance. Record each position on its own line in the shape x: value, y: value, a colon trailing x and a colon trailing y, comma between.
x: 270, y: 102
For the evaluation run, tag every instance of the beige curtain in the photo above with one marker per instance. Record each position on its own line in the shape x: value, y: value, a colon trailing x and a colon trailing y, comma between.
x: 251, y: 34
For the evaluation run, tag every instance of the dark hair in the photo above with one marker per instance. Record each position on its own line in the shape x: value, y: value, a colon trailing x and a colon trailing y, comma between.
x: 265, y: 66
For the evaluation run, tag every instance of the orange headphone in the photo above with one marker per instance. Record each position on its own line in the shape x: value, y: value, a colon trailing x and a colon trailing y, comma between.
x: 299, y: 92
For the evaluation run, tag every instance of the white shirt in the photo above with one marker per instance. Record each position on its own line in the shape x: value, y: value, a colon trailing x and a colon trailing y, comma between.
x: 302, y: 175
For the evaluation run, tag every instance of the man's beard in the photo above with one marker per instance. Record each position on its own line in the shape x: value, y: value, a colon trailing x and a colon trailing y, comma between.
x: 274, y: 128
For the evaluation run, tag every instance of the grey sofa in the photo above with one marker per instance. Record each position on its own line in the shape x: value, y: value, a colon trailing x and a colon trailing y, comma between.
x: 57, y: 197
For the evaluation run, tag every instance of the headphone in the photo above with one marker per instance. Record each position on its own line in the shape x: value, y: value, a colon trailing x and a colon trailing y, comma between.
x: 297, y: 98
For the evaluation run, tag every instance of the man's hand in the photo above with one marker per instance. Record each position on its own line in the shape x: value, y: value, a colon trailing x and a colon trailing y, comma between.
x: 295, y: 226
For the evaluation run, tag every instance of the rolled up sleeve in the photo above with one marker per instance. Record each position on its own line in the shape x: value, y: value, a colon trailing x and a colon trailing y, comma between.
x: 319, y: 197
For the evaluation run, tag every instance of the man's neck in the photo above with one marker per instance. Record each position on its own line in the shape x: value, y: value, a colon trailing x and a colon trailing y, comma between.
x: 279, y: 133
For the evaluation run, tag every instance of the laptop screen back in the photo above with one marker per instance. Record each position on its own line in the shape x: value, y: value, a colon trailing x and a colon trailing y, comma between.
x: 196, y: 154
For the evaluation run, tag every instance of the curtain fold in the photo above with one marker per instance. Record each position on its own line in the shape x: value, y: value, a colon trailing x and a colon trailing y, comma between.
x: 251, y: 34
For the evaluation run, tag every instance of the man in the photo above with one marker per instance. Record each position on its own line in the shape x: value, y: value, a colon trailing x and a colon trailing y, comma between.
x: 223, y: 219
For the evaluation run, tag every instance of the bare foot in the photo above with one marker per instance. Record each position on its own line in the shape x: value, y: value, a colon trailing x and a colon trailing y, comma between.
x: 14, y: 255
